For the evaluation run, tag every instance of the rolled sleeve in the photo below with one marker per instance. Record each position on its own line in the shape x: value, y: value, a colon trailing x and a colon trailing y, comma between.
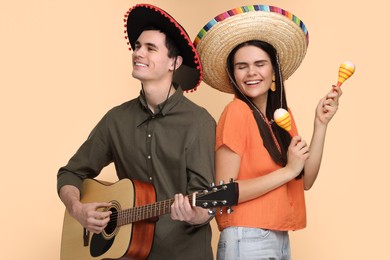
x: 88, y: 161
x: 200, y: 157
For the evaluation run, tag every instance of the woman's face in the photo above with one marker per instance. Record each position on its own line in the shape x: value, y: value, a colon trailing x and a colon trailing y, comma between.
x: 253, y: 71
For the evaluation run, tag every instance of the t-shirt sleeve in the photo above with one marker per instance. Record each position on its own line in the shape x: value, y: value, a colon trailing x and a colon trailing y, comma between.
x: 233, y: 126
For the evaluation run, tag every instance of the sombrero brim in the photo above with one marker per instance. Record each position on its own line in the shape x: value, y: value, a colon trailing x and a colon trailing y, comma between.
x: 283, y: 30
x: 189, y: 75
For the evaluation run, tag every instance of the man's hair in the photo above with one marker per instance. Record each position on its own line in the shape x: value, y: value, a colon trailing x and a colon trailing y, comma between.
x: 173, y: 50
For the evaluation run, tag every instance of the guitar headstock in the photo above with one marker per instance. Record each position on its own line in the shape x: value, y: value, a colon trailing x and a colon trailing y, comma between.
x: 218, y: 196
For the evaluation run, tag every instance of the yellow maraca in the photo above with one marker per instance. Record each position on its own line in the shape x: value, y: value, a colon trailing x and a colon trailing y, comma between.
x: 283, y: 119
x: 346, y: 70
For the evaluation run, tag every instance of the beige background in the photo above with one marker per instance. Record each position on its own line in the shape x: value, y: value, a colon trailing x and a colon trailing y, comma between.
x: 63, y: 64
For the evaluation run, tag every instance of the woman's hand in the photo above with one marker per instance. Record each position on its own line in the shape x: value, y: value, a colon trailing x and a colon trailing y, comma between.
x: 328, y: 106
x: 297, y: 154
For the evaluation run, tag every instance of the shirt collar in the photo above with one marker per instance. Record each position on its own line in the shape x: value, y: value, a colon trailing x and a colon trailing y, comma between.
x: 162, y: 109
x: 171, y: 102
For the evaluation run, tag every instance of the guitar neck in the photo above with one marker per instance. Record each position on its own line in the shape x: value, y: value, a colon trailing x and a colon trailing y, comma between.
x: 148, y: 211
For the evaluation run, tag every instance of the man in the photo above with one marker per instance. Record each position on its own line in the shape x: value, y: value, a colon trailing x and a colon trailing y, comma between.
x: 160, y: 137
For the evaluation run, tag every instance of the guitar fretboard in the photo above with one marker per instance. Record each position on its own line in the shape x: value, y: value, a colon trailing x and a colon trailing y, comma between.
x: 148, y: 211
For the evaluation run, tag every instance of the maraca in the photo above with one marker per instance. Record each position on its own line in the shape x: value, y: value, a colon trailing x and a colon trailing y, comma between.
x: 346, y: 70
x: 283, y: 119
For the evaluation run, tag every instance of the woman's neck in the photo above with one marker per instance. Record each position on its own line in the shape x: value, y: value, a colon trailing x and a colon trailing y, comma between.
x: 260, y: 103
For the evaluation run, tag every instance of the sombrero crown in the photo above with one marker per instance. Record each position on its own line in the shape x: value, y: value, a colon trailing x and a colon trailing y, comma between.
x: 140, y: 16
x: 278, y: 27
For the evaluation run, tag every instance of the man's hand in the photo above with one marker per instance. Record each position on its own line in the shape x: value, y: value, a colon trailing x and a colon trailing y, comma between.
x: 182, y: 210
x: 90, y: 217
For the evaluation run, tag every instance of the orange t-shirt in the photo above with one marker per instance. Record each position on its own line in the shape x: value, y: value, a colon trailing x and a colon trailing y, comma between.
x: 279, y: 209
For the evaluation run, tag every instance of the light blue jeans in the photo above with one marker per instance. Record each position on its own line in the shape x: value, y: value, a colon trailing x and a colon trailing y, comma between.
x: 253, y: 243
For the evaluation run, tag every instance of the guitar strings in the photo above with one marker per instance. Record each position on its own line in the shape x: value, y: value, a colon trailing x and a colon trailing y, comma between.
x: 138, y: 213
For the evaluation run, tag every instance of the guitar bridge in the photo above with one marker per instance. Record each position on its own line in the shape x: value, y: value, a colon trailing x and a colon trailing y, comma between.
x: 86, y: 237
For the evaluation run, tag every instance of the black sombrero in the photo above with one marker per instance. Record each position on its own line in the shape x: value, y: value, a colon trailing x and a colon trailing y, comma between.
x: 189, y: 74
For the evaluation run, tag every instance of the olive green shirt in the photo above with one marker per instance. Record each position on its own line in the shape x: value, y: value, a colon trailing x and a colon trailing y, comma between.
x: 173, y: 150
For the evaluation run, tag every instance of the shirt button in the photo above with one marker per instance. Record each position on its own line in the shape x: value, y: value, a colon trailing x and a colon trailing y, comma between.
x: 149, y: 135
x: 150, y: 178
x: 149, y: 157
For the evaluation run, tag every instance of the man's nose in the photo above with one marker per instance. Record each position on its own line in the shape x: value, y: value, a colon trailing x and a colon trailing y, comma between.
x: 139, y: 52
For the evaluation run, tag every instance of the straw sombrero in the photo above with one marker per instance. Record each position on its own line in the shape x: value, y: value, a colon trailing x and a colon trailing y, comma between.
x: 283, y: 30
x: 189, y: 74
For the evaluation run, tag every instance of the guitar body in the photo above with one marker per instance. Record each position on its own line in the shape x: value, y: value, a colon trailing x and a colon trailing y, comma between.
x: 130, y: 231
x: 131, y: 241
x: 143, y: 231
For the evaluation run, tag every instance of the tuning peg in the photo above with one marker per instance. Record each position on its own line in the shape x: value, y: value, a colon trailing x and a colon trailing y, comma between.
x: 231, y: 180
x: 212, y: 185
x: 220, y: 211
x: 221, y: 182
x: 230, y: 210
x: 211, y: 213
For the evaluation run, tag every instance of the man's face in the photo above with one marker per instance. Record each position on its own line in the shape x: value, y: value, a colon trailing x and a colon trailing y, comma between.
x: 150, y: 58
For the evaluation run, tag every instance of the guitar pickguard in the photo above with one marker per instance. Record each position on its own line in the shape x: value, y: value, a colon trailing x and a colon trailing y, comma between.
x: 100, y: 245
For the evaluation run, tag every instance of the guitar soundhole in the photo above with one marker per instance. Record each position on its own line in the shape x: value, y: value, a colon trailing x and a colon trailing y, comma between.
x: 111, y: 228
x: 101, y: 243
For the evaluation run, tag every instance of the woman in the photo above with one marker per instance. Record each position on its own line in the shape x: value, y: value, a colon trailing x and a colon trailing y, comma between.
x: 250, y: 51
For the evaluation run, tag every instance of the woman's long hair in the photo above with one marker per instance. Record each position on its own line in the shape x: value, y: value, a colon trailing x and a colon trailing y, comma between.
x: 276, y: 99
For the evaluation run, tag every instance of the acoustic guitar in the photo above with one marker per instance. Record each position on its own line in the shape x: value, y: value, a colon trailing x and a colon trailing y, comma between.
x: 129, y: 233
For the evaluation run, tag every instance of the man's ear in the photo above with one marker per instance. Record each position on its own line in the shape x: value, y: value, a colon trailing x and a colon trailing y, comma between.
x: 178, y: 60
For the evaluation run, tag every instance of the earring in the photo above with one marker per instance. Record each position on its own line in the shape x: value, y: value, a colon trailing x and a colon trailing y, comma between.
x: 273, y: 85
